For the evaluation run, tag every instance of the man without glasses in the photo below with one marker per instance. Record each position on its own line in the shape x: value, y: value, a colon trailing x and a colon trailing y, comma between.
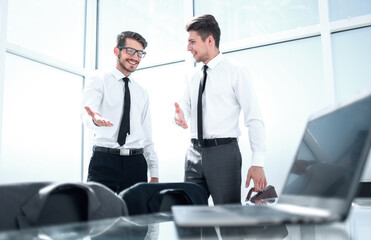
x: 213, y: 99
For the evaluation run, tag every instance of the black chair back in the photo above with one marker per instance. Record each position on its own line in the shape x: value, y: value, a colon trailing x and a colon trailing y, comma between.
x: 24, y: 205
x: 143, y: 198
x: 65, y: 206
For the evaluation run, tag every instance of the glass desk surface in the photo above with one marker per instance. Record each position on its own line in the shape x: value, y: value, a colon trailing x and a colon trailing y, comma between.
x: 161, y: 226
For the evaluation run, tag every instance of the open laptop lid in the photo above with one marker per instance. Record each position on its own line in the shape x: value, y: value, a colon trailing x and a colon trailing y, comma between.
x: 331, y: 156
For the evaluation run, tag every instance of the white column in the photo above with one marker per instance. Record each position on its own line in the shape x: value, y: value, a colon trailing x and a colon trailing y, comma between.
x: 90, y: 63
x: 328, y: 70
x: 3, y: 28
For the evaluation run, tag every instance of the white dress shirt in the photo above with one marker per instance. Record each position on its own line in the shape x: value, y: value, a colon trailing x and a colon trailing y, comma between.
x: 228, y: 90
x: 104, y: 93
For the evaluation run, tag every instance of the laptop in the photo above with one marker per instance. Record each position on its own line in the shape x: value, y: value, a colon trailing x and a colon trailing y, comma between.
x: 322, y: 181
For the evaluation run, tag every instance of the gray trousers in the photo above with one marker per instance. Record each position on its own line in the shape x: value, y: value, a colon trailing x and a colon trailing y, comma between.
x: 217, y: 169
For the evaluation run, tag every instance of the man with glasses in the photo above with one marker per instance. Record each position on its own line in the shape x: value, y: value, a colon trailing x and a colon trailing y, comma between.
x: 116, y: 108
x: 213, y: 99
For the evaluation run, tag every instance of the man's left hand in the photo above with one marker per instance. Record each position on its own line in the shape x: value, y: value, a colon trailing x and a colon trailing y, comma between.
x: 154, y: 179
x: 257, y: 175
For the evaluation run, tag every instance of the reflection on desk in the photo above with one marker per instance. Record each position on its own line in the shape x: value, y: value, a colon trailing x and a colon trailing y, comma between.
x: 161, y: 226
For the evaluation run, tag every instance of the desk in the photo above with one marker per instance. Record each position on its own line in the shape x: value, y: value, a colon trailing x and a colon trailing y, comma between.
x: 161, y: 226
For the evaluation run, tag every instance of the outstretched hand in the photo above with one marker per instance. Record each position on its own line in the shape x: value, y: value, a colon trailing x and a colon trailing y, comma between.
x: 179, y: 117
x: 98, y: 119
x: 257, y: 175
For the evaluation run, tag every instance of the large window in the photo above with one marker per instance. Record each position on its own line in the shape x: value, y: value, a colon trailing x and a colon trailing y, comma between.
x: 340, y: 9
x: 276, y: 70
x: 160, y: 22
x: 53, y: 28
x: 352, y: 61
x: 240, y: 19
x: 42, y: 79
x: 352, y: 67
x: 41, y: 124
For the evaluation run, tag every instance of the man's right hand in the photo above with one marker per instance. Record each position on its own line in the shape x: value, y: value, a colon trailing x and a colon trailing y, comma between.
x: 179, y: 117
x: 97, y: 118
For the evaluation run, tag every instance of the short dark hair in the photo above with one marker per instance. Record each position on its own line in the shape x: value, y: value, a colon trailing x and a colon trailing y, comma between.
x: 121, y: 38
x: 205, y: 25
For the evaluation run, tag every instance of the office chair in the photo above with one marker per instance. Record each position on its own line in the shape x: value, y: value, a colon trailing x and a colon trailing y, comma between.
x: 143, y: 198
x: 64, y: 206
x: 25, y: 205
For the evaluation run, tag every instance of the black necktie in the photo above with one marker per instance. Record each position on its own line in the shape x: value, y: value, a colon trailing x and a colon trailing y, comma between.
x: 125, y: 121
x: 199, y: 108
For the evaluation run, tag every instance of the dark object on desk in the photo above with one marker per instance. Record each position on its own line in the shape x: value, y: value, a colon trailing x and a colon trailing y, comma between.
x: 267, y: 194
x: 25, y: 205
x: 364, y: 190
x: 363, y: 197
x: 143, y: 198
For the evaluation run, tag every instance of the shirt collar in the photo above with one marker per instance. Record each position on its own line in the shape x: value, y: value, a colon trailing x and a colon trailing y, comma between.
x: 215, y: 61
x: 119, y: 75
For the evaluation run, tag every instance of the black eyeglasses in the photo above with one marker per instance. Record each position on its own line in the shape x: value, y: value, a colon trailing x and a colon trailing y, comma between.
x: 132, y: 51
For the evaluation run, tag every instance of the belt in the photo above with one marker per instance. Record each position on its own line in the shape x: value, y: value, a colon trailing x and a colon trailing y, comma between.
x: 213, y: 142
x: 123, y: 152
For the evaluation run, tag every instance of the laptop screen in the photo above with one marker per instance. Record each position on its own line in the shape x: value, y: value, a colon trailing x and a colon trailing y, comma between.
x: 331, y: 152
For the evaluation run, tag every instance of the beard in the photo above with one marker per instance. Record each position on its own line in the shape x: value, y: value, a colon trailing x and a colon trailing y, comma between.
x: 123, y: 65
